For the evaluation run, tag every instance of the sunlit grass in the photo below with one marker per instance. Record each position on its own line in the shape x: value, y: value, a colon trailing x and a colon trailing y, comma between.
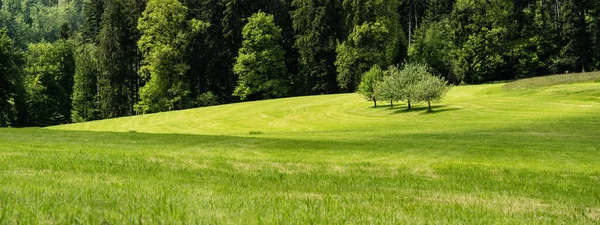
x: 537, y: 82
x: 484, y: 155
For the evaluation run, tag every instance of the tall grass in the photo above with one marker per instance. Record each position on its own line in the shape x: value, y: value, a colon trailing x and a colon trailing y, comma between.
x: 484, y: 156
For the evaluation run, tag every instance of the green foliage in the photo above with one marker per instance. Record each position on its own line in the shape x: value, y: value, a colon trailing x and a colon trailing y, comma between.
x: 575, y: 54
x: 315, y: 40
x: 479, y: 29
x: 430, y: 89
x: 368, y: 82
x: 92, y: 11
x: 322, y: 46
x: 410, y: 76
x: 206, y: 99
x: 260, y: 65
x: 374, y: 36
x: 432, y: 45
x: 85, y: 83
x: 41, y: 20
x: 11, y: 83
x: 369, y: 44
x: 390, y: 87
x: 49, y: 83
x: 166, y: 33
x: 318, y: 152
x: 405, y: 85
x: 117, y: 54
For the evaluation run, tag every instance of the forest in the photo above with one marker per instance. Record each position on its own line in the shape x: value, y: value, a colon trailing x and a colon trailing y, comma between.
x: 65, y: 61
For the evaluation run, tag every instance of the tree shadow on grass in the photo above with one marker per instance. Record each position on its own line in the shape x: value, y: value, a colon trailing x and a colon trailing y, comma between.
x: 435, y: 111
x: 425, y: 109
x: 379, y: 106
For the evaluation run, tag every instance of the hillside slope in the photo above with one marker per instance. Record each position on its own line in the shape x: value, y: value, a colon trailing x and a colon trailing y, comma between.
x: 465, y: 108
x: 486, y: 155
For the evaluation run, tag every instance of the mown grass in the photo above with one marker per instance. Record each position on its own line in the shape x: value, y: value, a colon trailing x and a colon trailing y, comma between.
x: 484, y: 155
x: 537, y: 82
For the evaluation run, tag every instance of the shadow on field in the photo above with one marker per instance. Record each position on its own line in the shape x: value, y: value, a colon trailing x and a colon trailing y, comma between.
x: 435, y: 111
x: 425, y: 110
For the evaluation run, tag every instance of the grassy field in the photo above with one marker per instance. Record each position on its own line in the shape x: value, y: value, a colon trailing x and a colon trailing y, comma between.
x: 484, y: 155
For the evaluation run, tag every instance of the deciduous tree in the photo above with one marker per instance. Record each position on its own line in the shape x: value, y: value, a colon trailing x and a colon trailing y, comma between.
x: 260, y: 65
x: 368, y: 83
x: 12, y: 102
x: 49, y: 83
x: 166, y: 33
x: 430, y: 89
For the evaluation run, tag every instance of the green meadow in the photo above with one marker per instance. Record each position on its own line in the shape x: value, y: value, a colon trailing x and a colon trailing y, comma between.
x: 523, y: 152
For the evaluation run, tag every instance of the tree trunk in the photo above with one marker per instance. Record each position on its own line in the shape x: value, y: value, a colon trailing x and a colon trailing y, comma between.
x: 391, y: 104
x: 375, y: 103
x: 408, y: 104
x: 429, y: 104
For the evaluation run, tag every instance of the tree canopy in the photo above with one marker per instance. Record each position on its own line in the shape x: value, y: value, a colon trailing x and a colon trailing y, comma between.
x: 413, y: 83
x: 260, y: 64
x: 124, y: 57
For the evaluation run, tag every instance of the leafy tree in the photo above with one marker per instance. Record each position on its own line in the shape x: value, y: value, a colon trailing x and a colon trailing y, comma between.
x: 430, y: 88
x: 479, y: 29
x: 409, y: 77
x: 260, y: 64
x: 432, y: 45
x: 12, y: 105
x: 316, y: 30
x: 49, y: 83
x: 166, y: 33
x: 531, y: 40
x: 375, y: 37
x: 85, y: 83
x: 368, y: 83
x: 402, y: 85
x: 366, y: 46
x: 235, y: 17
x: 389, y: 88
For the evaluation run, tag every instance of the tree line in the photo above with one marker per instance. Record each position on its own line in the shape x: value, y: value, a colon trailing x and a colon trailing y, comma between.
x: 68, y: 61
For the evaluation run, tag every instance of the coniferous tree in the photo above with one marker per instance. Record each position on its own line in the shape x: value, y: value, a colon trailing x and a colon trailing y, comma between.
x: 316, y: 27
x: 210, y: 70
x: 594, y: 30
x: 92, y: 12
x: 575, y: 54
x: 117, y: 52
x: 479, y: 31
x: 85, y: 83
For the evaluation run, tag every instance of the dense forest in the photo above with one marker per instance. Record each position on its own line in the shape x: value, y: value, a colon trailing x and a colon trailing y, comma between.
x: 64, y: 61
